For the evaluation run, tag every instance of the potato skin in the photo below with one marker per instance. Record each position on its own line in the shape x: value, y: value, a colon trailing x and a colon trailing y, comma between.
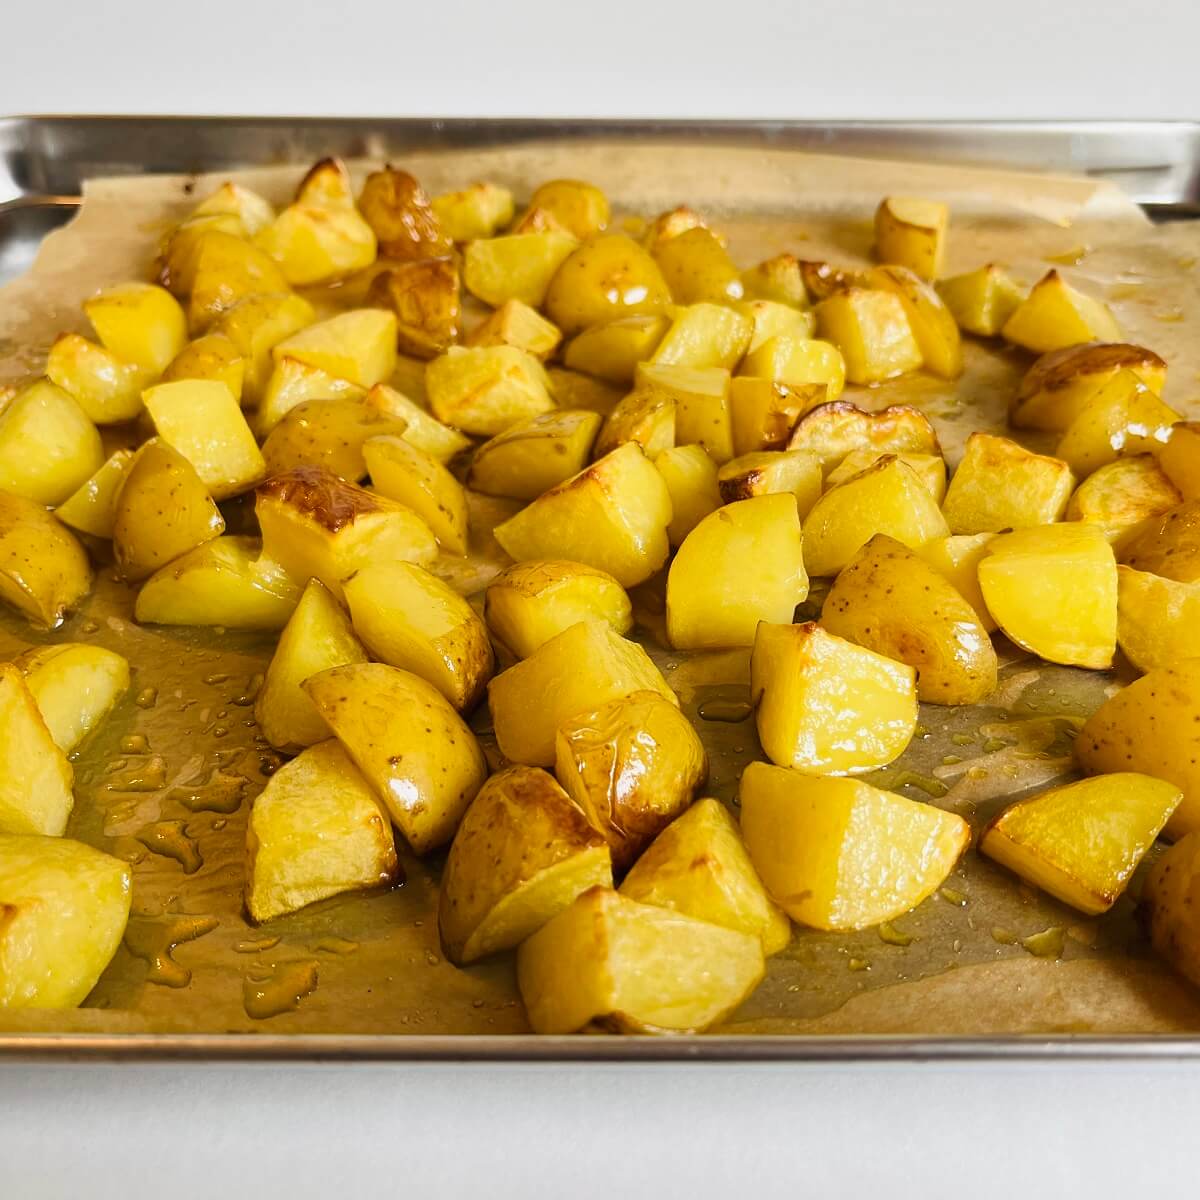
x: 1168, y: 545
x: 609, y: 276
x: 1171, y: 906
x: 44, y: 571
x: 401, y: 216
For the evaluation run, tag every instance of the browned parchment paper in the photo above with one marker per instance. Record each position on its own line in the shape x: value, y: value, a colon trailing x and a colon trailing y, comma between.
x: 372, y: 963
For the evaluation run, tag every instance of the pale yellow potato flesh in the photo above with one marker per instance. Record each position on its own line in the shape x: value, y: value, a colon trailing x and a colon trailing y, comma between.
x: 484, y: 390
x: 704, y: 335
x: 1055, y: 315
x: 702, y: 408
x: 535, y: 455
x: 766, y: 472
x: 606, y: 277
x: 1158, y: 620
x: 956, y: 558
x: 75, y: 687
x: 911, y: 231
x: 140, y: 323
x: 693, y: 486
x: 405, y: 473
x: 44, y: 571
x: 517, y: 266
x: 477, y: 211
x: 613, y: 350
x: 107, y: 389
x: 981, y: 301
x: 35, y: 776
x: 929, y: 468
x: 872, y: 331
x: 798, y: 363
x: 697, y: 267
x: 359, y: 345
x: 763, y: 412
x: 1120, y: 495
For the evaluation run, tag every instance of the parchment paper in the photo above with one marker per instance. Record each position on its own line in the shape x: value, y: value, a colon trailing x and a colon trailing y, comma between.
x: 176, y: 806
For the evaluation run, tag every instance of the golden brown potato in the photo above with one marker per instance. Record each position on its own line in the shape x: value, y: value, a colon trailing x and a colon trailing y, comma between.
x: 646, y: 416
x: 162, y: 510
x: 691, y: 479
x: 105, y: 388
x: 398, y: 210
x: 65, y: 907
x: 632, y: 766
x: 359, y: 345
x: 212, y: 356
x: 777, y: 279
x: 316, y: 830
x: 413, y: 748
x: 1158, y: 620
x: 697, y: 267
x: 1169, y: 901
x: 671, y: 224
x: 741, y: 565
x: 698, y: 866
x: 485, y: 390
x: 763, y: 413
x: 518, y: 266
x: 912, y: 232
x: 956, y: 558
x: 933, y: 326
x: 929, y: 468
x: 822, y: 279
x: 408, y: 475
x: 522, y: 854
x: 798, y: 364
x: 1122, y: 494
x: 75, y: 686
x: 478, y: 211
x: 529, y: 603
x: 893, y: 602
x: 981, y: 301
x: 35, y: 776
x: 1001, y: 485
x: 826, y: 706
x: 610, y: 963
x: 227, y: 269
x: 609, y: 276
x: 872, y: 331
x: 410, y: 619
x: 582, y: 667
x: 579, y: 207
x: 795, y: 472
x: 1055, y: 315
x: 612, y: 351
x: 701, y: 395
x: 831, y: 431
x: 1167, y: 545
x: 704, y: 335
x: 535, y: 455
x: 252, y: 210
x: 329, y: 434
x: 514, y: 323
x: 841, y: 854
x: 44, y: 571
x: 425, y: 298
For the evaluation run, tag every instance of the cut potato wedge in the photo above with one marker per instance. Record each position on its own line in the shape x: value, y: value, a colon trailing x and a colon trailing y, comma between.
x: 872, y: 331
x: 402, y: 472
x: 767, y: 472
x: 92, y: 507
x: 359, y: 345
x: 105, y: 388
x: 933, y: 326
x: 981, y: 301
x: 929, y: 468
x: 798, y: 364
x: 487, y: 389
x: 423, y: 430
x: 213, y: 357
x: 763, y: 413
x: 956, y: 558
x: 1179, y: 458
x: 912, y: 232
x: 1158, y: 620
x: 535, y: 455
x: 1055, y: 315
x: 1170, y: 902
x: 35, y: 776
x: 646, y: 416
x: 1120, y: 495
x: 1167, y: 545
x: 478, y: 211
x: 607, y: 277
x: 75, y: 686
x: 256, y: 326
x: 518, y: 266
x: 140, y: 323
x: 514, y: 323
x: 779, y: 279
x: 291, y: 384
x: 704, y: 335
x: 697, y: 267
x: 702, y: 412
x: 328, y: 435
x: 692, y: 483
x: 613, y: 350
x: 44, y: 571
x: 832, y: 431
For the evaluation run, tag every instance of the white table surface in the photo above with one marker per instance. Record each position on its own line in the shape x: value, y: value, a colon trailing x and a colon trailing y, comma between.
x: 996, y: 1131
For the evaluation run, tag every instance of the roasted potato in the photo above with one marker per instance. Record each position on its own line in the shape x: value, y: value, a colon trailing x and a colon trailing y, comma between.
x: 763, y: 413
x: 514, y: 323
x: 671, y: 224
x: 487, y: 389
x: 318, y: 636
x: 522, y: 854
x: 413, y: 748
x: 887, y: 497
x: 646, y: 416
x: 256, y: 326
x: 632, y: 766
x: 48, y: 447
x: 613, y: 516
x: 1055, y: 315
x: 518, y: 266
x: 981, y: 301
x: 608, y: 276
x: 798, y: 364
x: 1169, y: 902
x: 893, y: 602
x: 202, y: 420
x: 359, y: 345
x: 609, y: 962
x: 35, y: 776
x: 1082, y: 842
x: 930, y: 469
x: 65, y: 907
x: 740, y: 565
x: 317, y: 244
x: 691, y: 479
x: 535, y: 454
x: 1179, y: 458
x: 1053, y: 591
x: 44, y: 571
x: 701, y: 395
x: 105, y: 388
x: 1121, y: 495
x: 833, y: 430
x: 1001, y: 485
x: 822, y: 279
x: 585, y: 666
x: 407, y: 474
x: 162, y: 511
x: 777, y: 279
x: 225, y: 270
x: 697, y: 268
x: 212, y: 356
x: 227, y: 582
x: 704, y: 335
x: 92, y: 507
x: 529, y: 603
x: 581, y: 208
x: 956, y: 558
x: 1150, y: 727
x: 698, y: 866
x: 410, y: 619
x: 326, y: 184
x: 316, y: 525
x: 181, y: 249
x: 573, y: 389
x: 1158, y: 620
x: 1168, y: 544
x: 795, y: 472
x: 932, y: 323
x: 293, y: 383
x: 841, y: 854
x: 329, y: 434
x: 75, y: 687
x: 773, y: 318
x: 424, y: 431
x: 872, y: 331
x: 396, y: 207
x: 254, y: 212
x: 425, y: 298
x: 140, y: 323
x: 316, y: 830
x: 478, y: 211
x: 912, y: 232
x: 826, y: 706
x: 612, y: 351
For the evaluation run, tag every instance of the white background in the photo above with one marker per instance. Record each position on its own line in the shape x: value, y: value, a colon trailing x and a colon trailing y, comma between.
x: 1018, y: 1131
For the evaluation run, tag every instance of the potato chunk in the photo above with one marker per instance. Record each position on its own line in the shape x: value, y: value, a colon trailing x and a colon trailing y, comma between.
x: 227, y: 582
x: 1170, y: 902
x: 359, y: 345
x: 316, y: 525
x: 202, y: 420
x: 1057, y: 387
x: 535, y: 455
x: 410, y: 619
x: 412, y: 747
x: 406, y: 474
x: 981, y: 301
x: 1150, y: 727
x: 75, y: 687
x: 893, y: 602
x: 671, y: 224
x: 44, y: 571
x: 933, y: 326
x: 1053, y: 591
x: 140, y: 323
x: 646, y: 416
x: 840, y: 854
x: 699, y: 866
x: 701, y: 395
x: 741, y: 565
x: 691, y: 479
x: 885, y: 498
x: 826, y: 706
x: 1000, y: 485
x: 213, y: 357
x: 912, y: 232
x: 1121, y: 495
x: 632, y: 765
x: 514, y: 323
x: 317, y: 244
x: 318, y: 636
x: 795, y: 472
x: 487, y: 389
x: 1158, y: 620
x: 398, y: 210
x: 65, y: 907
x: 329, y: 435
x: 613, y: 516
x: 225, y: 270
x: 579, y: 207
x: 92, y: 507
x: 583, y: 667
x: 832, y: 431
x: 956, y: 558
x: 1055, y: 315
x: 316, y: 830
x: 763, y: 413
x: 704, y: 335
x: 251, y: 209
x: 48, y: 447
x: 162, y: 511
x: 798, y: 364
x: 474, y: 212
x: 612, y: 351
x: 1122, y: 417
x: 1082, y: 842
x: 929, y: 468
x: 607, y: 277
x: 35, y: 777
x: 425, y: 298
x: 608, y: 962
x: 529, y: 603
x: 522, y: 854
x: 872, y: 331
x: 697, y: 267
x: 518, y: 266
x: 1179, y: 458
x: 777, y: 279
x: 422, y: 430
x: 1167, y: 545
x: 775, y: 319
x: 105, y: 388
x: 291, y: 384
x: 256, y: 326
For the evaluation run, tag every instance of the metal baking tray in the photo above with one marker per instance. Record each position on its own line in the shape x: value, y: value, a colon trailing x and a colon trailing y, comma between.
x: 43, y: 163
